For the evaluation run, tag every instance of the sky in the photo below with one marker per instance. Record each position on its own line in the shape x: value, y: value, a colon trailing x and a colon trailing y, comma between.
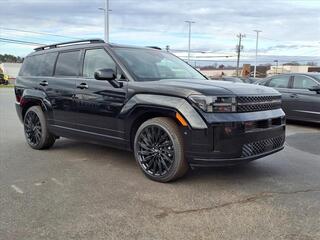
x: 290, y: 28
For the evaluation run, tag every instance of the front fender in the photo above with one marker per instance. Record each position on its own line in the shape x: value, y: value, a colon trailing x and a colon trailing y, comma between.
x: 179, y: 104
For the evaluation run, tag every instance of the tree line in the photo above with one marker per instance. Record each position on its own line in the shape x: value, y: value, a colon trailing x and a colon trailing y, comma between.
x: 10, y: 58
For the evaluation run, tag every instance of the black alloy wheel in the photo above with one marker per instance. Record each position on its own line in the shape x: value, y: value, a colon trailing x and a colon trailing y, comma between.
x: 36, y: 129
x: 159, y: 149
x: 33, y: 128
x: 155, y: 150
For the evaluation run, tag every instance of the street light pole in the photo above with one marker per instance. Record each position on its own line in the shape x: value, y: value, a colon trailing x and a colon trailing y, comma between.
x: 106, y: 20
x: 189, y: 42
x: 255, y: 64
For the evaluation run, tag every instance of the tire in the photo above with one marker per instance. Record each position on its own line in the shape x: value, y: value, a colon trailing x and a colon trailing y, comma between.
x: 159, y: 150
x: 36, y: 129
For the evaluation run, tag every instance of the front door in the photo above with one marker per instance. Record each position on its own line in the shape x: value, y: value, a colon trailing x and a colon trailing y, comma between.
x: 307, y: 104
x: 98, y: 103
x: 281, y: 83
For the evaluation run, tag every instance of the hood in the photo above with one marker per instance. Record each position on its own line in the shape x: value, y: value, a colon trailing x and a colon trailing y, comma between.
x: 186, y: 87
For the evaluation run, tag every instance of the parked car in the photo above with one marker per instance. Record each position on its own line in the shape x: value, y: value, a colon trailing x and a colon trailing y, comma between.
x: 4, y: 79
x: 251, y: 79
x: 300, y: 94
x: 147, y: 101
x: 229, y: 79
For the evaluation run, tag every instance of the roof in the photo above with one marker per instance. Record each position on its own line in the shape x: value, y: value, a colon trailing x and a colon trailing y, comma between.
x: 82, y: 43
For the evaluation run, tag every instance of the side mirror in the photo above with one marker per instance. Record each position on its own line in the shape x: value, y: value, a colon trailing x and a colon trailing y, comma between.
x: 315, y: 88
x: 105, y: 74
x: 108, y: 74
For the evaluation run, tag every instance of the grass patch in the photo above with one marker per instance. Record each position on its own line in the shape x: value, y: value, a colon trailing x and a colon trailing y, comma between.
x: 7, y: 86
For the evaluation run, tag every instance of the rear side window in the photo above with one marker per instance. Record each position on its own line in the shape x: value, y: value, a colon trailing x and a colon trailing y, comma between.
x: 302, y: 82
x: 68, y: 64
x: 31, y: 66
x: 38, y: 65
x: 279, y: 82
x: 47, y: 64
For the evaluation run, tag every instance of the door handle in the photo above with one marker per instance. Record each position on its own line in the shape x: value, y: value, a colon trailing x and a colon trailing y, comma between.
x: 43, y: 83
x: 83, y: 86
x: 293, y: 95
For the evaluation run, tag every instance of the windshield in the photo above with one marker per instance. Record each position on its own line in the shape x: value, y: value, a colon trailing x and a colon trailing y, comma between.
x: 316, y: 76
x: 151, y: 65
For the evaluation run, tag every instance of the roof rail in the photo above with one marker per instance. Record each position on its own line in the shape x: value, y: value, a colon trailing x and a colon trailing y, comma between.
x: 154, y: 47
x: 69, y: 43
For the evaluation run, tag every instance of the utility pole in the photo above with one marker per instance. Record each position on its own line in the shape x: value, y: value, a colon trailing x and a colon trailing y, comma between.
x: 106, y: 11
x: 255, y: 64
x: 189, y: 43
x: 239, y: 48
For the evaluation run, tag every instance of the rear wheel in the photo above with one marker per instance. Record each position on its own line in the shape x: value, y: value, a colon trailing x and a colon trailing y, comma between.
x: 159, y: 150
x: 36, y: 130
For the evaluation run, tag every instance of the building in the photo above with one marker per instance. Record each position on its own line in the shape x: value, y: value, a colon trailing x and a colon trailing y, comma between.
x: 292, y: 69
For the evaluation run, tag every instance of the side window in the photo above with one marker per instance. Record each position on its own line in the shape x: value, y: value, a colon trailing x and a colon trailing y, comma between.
x: 95, y: 59
x: 279, y: 82
x: 32, y: 66
x: 25, y: 68
x: 47, y: 64
x: 68, y: 64
x: 302, y: 82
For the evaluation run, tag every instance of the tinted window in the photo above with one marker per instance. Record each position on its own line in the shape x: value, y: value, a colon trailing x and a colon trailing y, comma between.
x: 31, y: 66
x: 68, y: 64
x: 96, y: 59
x: 47, y: 64
x: 279, y: 82
x: 302, y: 82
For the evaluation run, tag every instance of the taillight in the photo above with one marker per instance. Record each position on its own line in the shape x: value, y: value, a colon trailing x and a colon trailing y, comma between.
x: 18, y: 98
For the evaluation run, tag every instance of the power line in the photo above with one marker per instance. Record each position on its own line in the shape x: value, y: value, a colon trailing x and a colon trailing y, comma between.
x: 39, y: 33
x: 9, y: 40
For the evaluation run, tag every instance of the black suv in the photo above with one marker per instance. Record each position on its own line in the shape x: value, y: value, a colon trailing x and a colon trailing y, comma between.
x: 148, y: 101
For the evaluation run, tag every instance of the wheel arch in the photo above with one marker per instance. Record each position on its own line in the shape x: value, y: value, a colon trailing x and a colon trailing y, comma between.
x: 32, y: 98
x: 142, y: 114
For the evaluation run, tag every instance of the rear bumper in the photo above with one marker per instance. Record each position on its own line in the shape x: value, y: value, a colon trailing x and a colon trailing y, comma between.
x: 19, y: 111
x: 229, y: 143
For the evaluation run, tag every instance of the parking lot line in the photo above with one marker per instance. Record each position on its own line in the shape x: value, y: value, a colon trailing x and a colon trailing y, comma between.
x: 18, y: 190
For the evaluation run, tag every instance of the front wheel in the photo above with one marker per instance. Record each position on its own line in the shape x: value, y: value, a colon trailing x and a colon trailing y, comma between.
x: 159, y: 150
x: 36, y: 130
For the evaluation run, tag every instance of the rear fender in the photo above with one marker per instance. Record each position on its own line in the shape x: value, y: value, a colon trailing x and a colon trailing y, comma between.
x: 31, y: 97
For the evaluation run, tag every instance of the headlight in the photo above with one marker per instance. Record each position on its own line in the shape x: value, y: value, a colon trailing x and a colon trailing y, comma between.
x: 214, y: 103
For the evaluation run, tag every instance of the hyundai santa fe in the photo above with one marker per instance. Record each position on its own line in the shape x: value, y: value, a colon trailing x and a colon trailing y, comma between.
x: 147, y: 101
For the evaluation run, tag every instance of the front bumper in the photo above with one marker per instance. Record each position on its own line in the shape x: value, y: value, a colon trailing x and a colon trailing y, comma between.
x: 236, y: 138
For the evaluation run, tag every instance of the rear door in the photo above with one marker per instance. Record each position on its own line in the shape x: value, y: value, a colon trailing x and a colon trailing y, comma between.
x: 98, y: 102
x: 61, y: 87
x: 281, y: 83
x: 307, y: 104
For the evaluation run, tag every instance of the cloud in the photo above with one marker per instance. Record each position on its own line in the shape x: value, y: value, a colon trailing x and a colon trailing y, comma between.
x: 289, y: 26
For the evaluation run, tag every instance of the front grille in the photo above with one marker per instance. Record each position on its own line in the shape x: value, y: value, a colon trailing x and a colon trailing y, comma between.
x: 255, y: 148
x: 258, y: 103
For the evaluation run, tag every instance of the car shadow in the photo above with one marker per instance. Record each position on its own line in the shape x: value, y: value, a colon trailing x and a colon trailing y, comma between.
x: 123, y: 159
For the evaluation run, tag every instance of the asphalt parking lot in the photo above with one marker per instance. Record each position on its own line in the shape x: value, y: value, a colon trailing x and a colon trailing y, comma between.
x: 78, y: 190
